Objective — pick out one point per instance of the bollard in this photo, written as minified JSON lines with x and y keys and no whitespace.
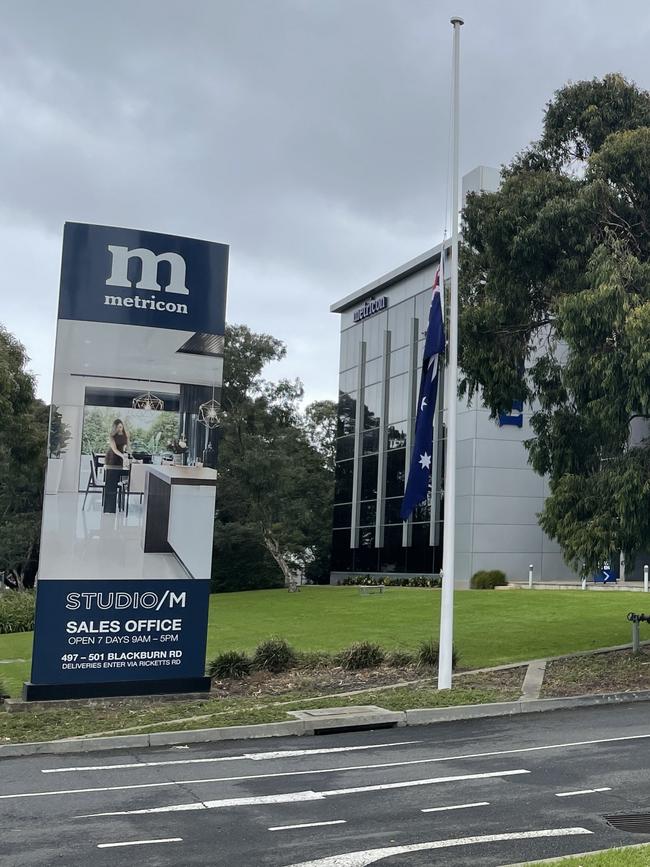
{"x":645,"y":578}
{"x":530,"y":576}
{"x":635,"y":619}
{"x":583,"y":583}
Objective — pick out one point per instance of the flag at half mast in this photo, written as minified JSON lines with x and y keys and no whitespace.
{"x":422,"y":457}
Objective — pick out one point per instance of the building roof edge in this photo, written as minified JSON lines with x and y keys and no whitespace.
{"x":405,"y":270}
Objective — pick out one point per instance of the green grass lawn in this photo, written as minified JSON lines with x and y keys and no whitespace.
{"x":628,"y":856}
{"x":491,"y":627}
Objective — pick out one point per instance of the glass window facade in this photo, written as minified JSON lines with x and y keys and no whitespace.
{"x":381,"y":442}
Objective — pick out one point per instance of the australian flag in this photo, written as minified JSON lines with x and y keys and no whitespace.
{"x":422,"y":457}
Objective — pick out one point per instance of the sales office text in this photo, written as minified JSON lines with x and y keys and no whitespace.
{"x":104,"y":627}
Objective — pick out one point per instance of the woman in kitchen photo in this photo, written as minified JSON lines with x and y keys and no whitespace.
{"x":116,"y":463}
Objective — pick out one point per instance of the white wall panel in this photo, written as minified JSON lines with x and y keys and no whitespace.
{"x":464,"y":509}
{"x":555,"y":569}
{"x":524,"y":539}
{"x":465,"y":453}
{"x":465,"y":482}
{"x":465,"y":425}
{"x":464,"y":537}
{"x":509,"y":511}
{"x":463,"y":571}
{"x":507,"y":483}
{"x":501,"y":453}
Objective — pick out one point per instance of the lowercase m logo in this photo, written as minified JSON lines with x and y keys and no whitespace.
{"x":149,"y":275}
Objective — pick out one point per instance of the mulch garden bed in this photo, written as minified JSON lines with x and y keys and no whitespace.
{"x":618,"y":671}
{"x":334,"y":679}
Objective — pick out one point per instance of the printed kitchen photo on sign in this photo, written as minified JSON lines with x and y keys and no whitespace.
{"x":131,"y":474}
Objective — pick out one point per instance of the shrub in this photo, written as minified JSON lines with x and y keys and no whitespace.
{"x":16,"y":611}
{"x":361,"y":654}
{"x":488,"y":579}
{"x":428,"y":653}
{"x":274,"y":655}
{"x":399,"y":658}
{"x":232,"y":664}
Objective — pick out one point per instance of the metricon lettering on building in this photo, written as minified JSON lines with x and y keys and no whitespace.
{"x":140,"y":303}
{"x":149,"y":263}
{"x":370,"y":307}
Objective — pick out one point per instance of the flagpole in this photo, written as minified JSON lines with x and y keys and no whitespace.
{"x":449,"y":532}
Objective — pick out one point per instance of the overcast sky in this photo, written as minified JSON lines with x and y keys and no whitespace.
{"x":310,"y":135}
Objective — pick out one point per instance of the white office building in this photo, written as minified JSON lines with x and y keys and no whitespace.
{"x":498,"y":494}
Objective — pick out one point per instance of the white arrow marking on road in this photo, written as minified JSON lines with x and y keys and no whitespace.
{"x":139,"y":843}
{"x":304,"y":796}
{"x":370,"y":856}
{"x":256,"y":757}
{"x":289,"y":798}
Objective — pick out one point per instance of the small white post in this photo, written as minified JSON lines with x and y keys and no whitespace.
{"x":530,"y":576}
{"x":583,"y":583}
{"x":645,"y":578}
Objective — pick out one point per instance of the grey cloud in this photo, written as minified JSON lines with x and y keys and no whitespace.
{"x":311,"y":136}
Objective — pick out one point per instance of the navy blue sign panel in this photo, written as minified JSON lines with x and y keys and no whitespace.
{"x":111,"y":631}
{"x":143,"y":278}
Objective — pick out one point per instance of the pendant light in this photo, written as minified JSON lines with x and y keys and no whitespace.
{"x":147,"y":400}
{"x":209,"y":413}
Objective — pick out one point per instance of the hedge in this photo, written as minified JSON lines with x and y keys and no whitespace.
{"x":387,"y":581}
{"x":16,"y":611}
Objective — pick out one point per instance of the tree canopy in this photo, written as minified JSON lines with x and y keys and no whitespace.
{"x":555,"y":301}
{"x":274,"y":495}
{"x":23,"y":437}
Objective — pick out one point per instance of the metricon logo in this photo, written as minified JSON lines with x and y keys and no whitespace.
{"x":148,"y":281}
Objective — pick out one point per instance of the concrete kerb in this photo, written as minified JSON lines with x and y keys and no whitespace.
{"x":417,"y":716}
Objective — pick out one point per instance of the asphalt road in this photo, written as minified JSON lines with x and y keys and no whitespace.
{"x":480,"y":792}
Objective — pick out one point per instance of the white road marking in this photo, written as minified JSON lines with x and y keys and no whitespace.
{"x":409,"y":783}
{"x":582,"y":792}
{"x":202,"y":782}
{"x":455,"y":807}
{"x":303,"y":796}
{"x":256,"y":757}
{"x":307,"y":825}
{"x":289,"y":798}
{"x":289,"y":754}
{"x":139,"y":843}
{"x":456,"y":758}
{"x":370,"y":856}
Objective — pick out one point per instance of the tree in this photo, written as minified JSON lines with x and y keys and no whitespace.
{"x":274,"y":485}
{"x":59,"y":435}
{"x":555,"y":300}
{"x":320,"y":428}
{"x":96,"y":429}
{"x":23,"y":438}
